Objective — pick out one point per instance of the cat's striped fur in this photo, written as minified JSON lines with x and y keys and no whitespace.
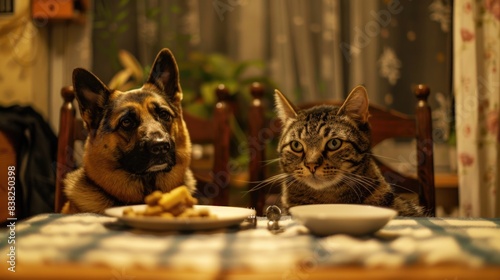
{"x":325,"y":152}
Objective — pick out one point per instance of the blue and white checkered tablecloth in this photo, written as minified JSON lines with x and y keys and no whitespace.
{"x":91,"y":239}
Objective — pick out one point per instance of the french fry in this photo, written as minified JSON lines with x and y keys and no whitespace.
{"x":204,"y":212}
{"x":174,"y":197}
{"x":167,"y":215}
{"x":188,"y":213}
{"x":178,"y":203}
{"x":177,"y":209}
{"x":153,"y":210}
{"x":129,"y":211}
{"x":153,"y":198}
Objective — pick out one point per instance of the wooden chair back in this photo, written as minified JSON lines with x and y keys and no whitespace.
{"x":71,"y":129}
{"x":8,"y":162}
{"x":385,"y":124}
{"x":212,"y":183}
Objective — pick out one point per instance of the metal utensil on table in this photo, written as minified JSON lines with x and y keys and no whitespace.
{"x":250,"y":222}
{"x":273,"y":214}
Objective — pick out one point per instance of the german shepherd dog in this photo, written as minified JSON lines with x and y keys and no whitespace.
{"x":137,"y":140}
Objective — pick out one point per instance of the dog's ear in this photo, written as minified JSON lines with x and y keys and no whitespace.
{"x":165,"y":76}
{"x":92,"y":96}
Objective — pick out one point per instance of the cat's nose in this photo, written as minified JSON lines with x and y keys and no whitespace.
{"x":312,"y":166}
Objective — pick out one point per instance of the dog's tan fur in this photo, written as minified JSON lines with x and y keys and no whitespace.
{"x":104,"y":181}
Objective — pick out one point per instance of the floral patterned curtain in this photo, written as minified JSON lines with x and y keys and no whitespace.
{"x":394,"y":45}
{"x":477,"y":93}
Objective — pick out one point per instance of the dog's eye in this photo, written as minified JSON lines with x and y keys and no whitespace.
{"x":164,"y":115}
{"x":127,"y":123}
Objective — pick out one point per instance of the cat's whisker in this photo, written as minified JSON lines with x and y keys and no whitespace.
{"x":276,"y":179}
{"x":290,"y":182}
{"x":355,"y":181}
{"x":360,"y":182}
{"x":248,"y":182}
{"x":261,"y":181}
{"x":271,"y":161}
{"x":370,"y":181}
{"x":347,"y":181}
{"x":402,"y":187}
{"x":361,"y":177}
{"x":385,"y":157}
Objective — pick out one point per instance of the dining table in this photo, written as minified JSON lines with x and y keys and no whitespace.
{"x":91,"y":246}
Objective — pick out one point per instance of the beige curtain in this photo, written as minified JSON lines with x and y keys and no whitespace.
{"x":304,"y":58}
{"x":477,"y":92}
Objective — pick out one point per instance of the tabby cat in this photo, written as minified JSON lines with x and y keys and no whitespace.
{"x":325,"y":154}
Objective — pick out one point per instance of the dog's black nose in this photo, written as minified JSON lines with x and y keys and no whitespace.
{"x":158,"y":148}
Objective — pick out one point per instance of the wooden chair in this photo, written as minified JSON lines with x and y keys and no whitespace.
{"x":8,"y":155}
{"x":212,"y":183}
{"x":71,"y":129}
{"x":386,"y":124}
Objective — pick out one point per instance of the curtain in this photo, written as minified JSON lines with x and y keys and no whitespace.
{"x":304,"y":54}
{"x":477,"y":93}
{"x":312,"y":50}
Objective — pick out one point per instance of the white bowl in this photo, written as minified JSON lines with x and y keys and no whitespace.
{"x":352,"y":219}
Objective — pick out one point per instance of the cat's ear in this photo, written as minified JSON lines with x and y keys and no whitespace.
{"x":356,"y":105}
{"x":284,"y":107}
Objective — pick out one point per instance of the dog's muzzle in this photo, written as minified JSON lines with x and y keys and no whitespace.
{"x":149,"y":156}
{"x":158,"y":147}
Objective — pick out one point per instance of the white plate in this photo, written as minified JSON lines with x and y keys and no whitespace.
{"x":352,"y":219}
{"x":226,"y":216}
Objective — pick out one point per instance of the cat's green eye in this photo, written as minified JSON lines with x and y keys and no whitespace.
{"x":333,"y":144}
{"x":296,"y":146}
